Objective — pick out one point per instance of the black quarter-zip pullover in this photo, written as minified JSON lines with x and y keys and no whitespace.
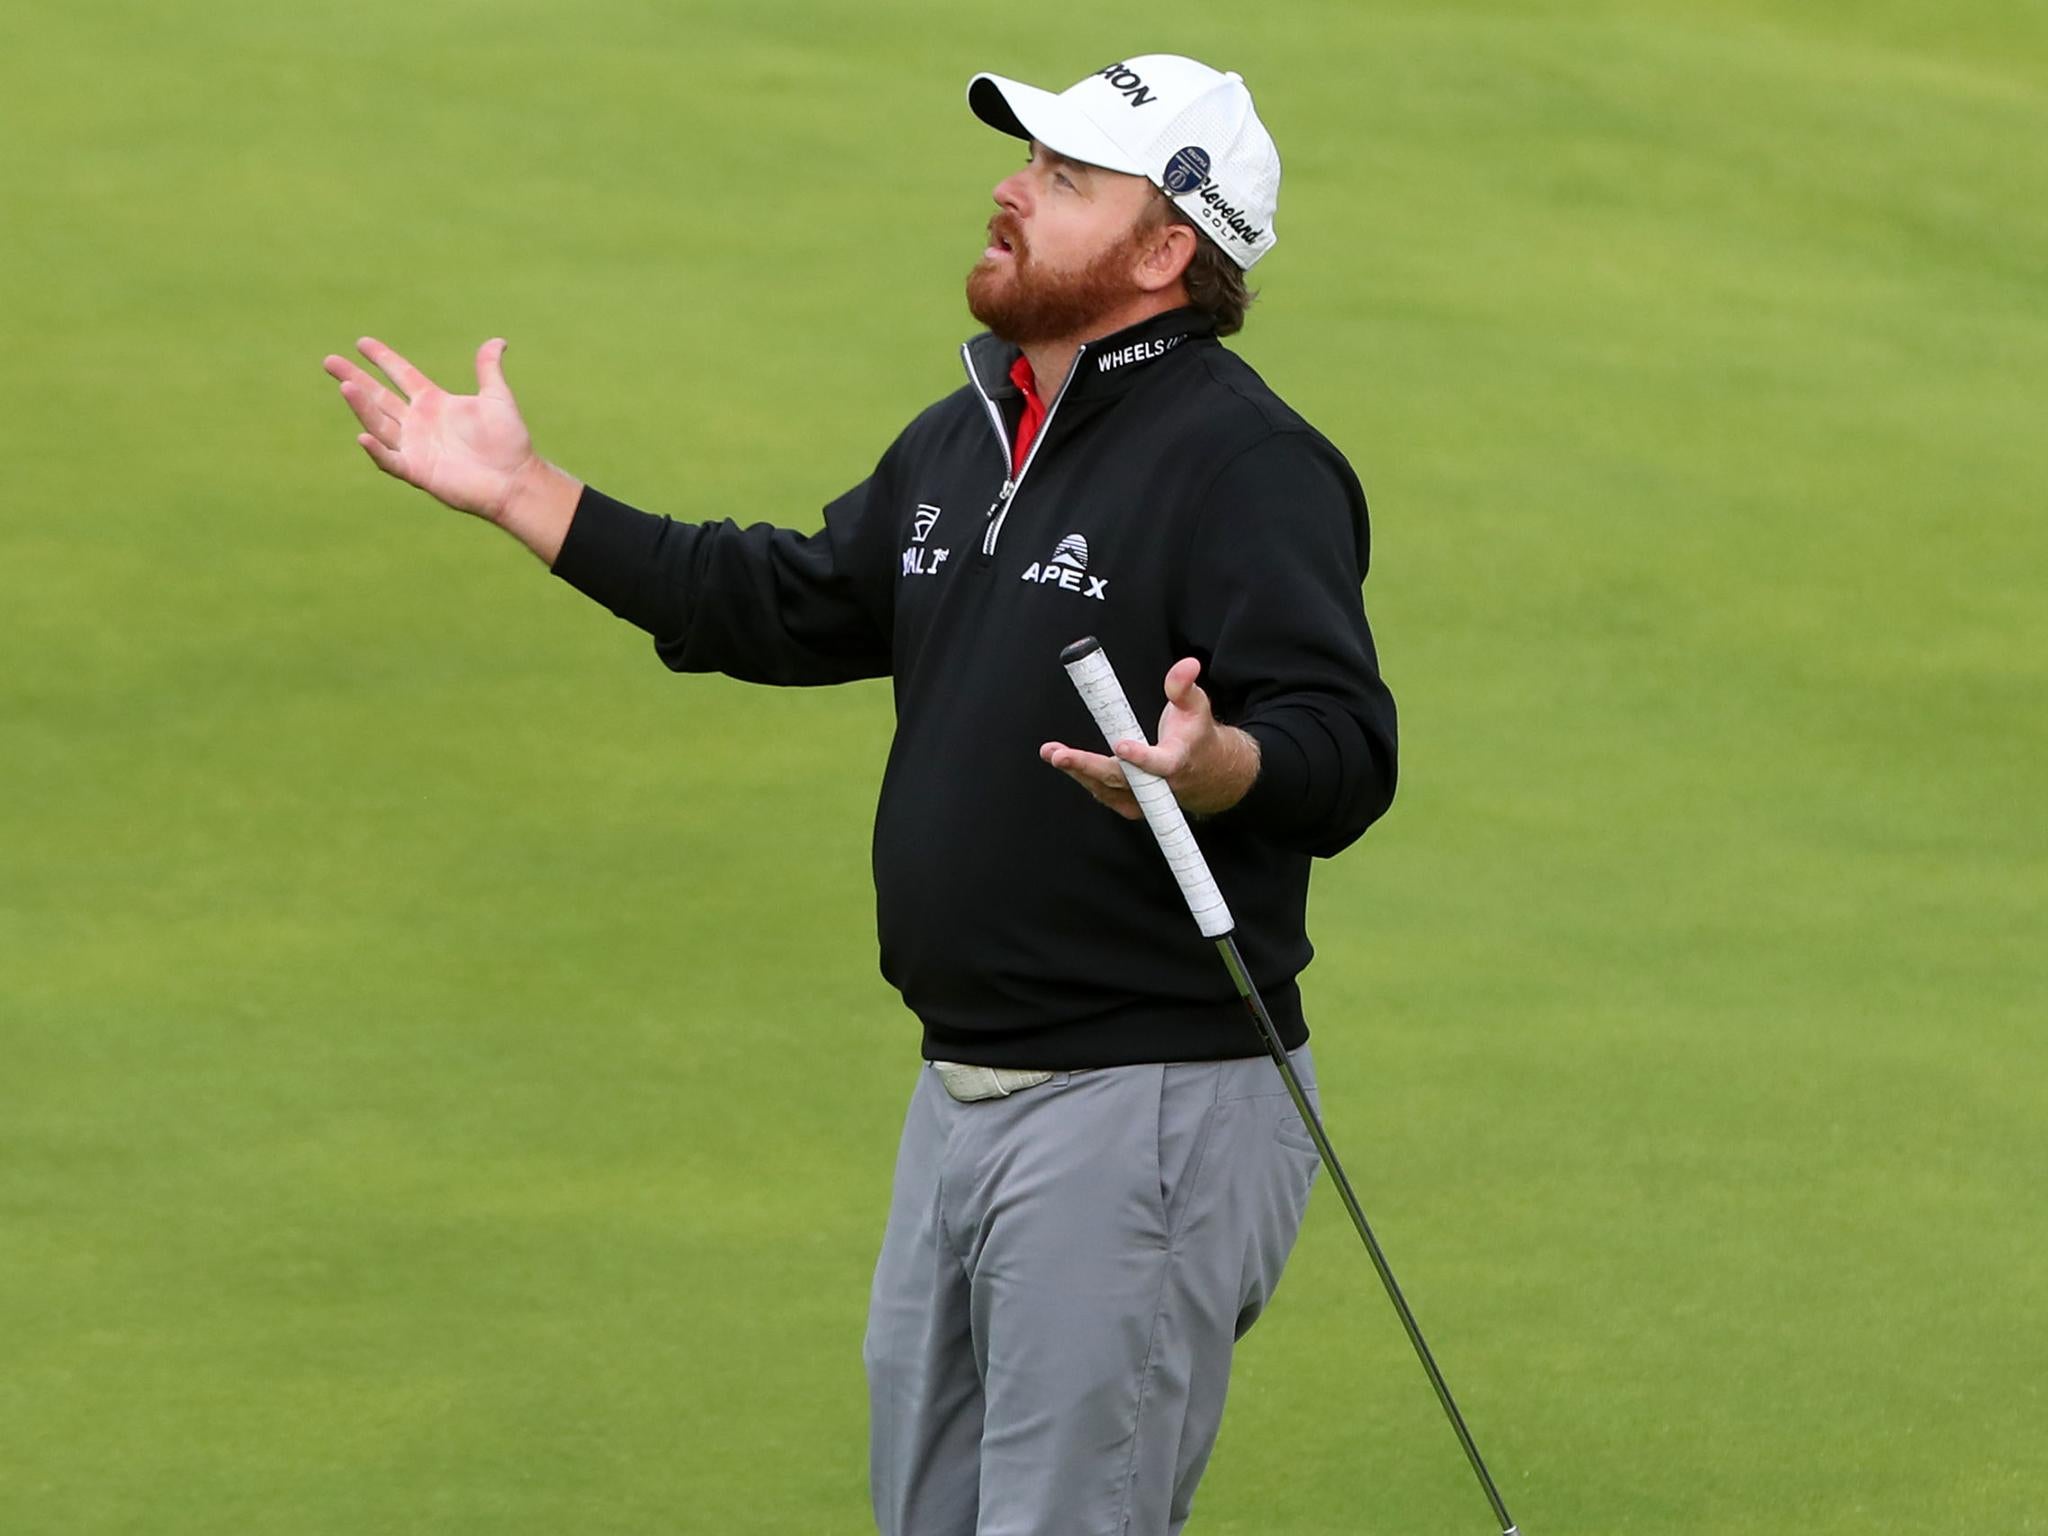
{"x":1172,"y":505}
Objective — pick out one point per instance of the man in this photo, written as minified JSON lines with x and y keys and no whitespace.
{"x":1099,"y":1178}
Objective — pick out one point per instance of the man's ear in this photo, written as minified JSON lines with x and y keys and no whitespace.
{"x":1165,"y":256}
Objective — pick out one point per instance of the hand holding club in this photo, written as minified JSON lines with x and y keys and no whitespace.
{"x":1209,"y":766}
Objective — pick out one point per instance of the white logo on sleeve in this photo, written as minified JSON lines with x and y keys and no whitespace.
{"x":1067,"y":568}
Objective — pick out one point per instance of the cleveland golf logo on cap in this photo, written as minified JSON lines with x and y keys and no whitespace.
{"x":1226,"y":216}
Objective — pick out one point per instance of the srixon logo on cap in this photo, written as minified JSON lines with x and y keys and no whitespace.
{"x":1122,"y":77}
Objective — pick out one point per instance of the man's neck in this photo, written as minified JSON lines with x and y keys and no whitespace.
{"x":1051,"y":361}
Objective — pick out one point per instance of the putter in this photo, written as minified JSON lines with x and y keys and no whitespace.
{"x":1088,"y":665}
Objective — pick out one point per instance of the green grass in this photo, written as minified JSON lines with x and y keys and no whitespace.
{"x":395,"y":962}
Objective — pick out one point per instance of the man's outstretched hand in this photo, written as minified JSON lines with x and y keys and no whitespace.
{"x":1209,"y":767}
{"x":471,"y":452}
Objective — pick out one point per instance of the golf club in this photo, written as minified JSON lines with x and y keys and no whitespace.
{"x":1088,"y":666}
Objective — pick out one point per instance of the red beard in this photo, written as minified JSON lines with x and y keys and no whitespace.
{"x":1028,"y":303}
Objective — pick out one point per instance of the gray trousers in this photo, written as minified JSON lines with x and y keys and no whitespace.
{"x":1064,"y":1274}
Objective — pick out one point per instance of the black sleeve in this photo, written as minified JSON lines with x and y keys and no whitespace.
{"x":763,"y":604}
{"x":1273,"y":608}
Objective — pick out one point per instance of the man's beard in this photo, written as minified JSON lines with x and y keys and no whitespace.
{"x":1030,"y":304}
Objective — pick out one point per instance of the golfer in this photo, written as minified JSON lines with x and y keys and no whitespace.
{"x":1100,"y":1174}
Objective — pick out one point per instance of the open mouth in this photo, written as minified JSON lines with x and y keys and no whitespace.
{"x":1000,"y":246}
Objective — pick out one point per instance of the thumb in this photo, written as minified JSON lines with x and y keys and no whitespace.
{"x":1180,"y":682}
{"x":490,"y":370}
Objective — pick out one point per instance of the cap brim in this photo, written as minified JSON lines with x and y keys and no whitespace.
{"x":1026,"y":112}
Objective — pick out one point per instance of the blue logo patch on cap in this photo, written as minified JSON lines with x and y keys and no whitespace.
{"x":1187,"y":170}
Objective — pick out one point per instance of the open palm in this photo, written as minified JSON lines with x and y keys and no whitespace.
{"x":464,"y":450}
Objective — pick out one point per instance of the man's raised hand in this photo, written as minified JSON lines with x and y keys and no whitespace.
{"x":1209,"y":766}
{"x":471,"y":452}
{"x":465,"y":450}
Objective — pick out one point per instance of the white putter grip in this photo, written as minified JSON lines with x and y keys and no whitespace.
{"x":1104,"y":695}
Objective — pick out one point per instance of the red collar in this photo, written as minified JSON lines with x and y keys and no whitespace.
{"x":1034,"y":410}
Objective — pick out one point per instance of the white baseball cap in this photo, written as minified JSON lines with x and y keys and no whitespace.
{"x":1186,"y":127}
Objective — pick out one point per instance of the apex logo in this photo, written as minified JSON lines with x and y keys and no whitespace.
{"x":1129,"y":82}
{"x":1067,"y":568}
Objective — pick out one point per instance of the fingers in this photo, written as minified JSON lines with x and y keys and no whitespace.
{"x":1164,"y":760}
{"x":1184,"y":696}
{"x":490,"y":369}
{"x":1099,"y":775}
{"x":1090,"y":766}
{"x":342,"y":369}
{"x":396,"y":368}
{"x":388,"y":459}
{"x":377,"y":408}
{"x":365,"y":387}
{"x":380,"y":411}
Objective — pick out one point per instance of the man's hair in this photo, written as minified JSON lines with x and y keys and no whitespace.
{"x":1215,"y":283}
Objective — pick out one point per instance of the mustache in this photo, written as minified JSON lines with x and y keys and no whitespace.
{"x":1004,"y":226}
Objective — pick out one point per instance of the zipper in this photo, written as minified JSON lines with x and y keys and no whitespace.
{"x":1013,"y":473}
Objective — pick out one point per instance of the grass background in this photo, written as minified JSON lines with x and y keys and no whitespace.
{"x":397,"y":965}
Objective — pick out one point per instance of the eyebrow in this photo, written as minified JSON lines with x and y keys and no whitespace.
{"x":1054,"y":157}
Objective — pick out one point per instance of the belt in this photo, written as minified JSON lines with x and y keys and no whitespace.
{"x":968,"y":1084}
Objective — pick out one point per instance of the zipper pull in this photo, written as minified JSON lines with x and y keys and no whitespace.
{"x":1002,"y":497}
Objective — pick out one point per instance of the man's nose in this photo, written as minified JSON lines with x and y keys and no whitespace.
{"x":1011,"y":192}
